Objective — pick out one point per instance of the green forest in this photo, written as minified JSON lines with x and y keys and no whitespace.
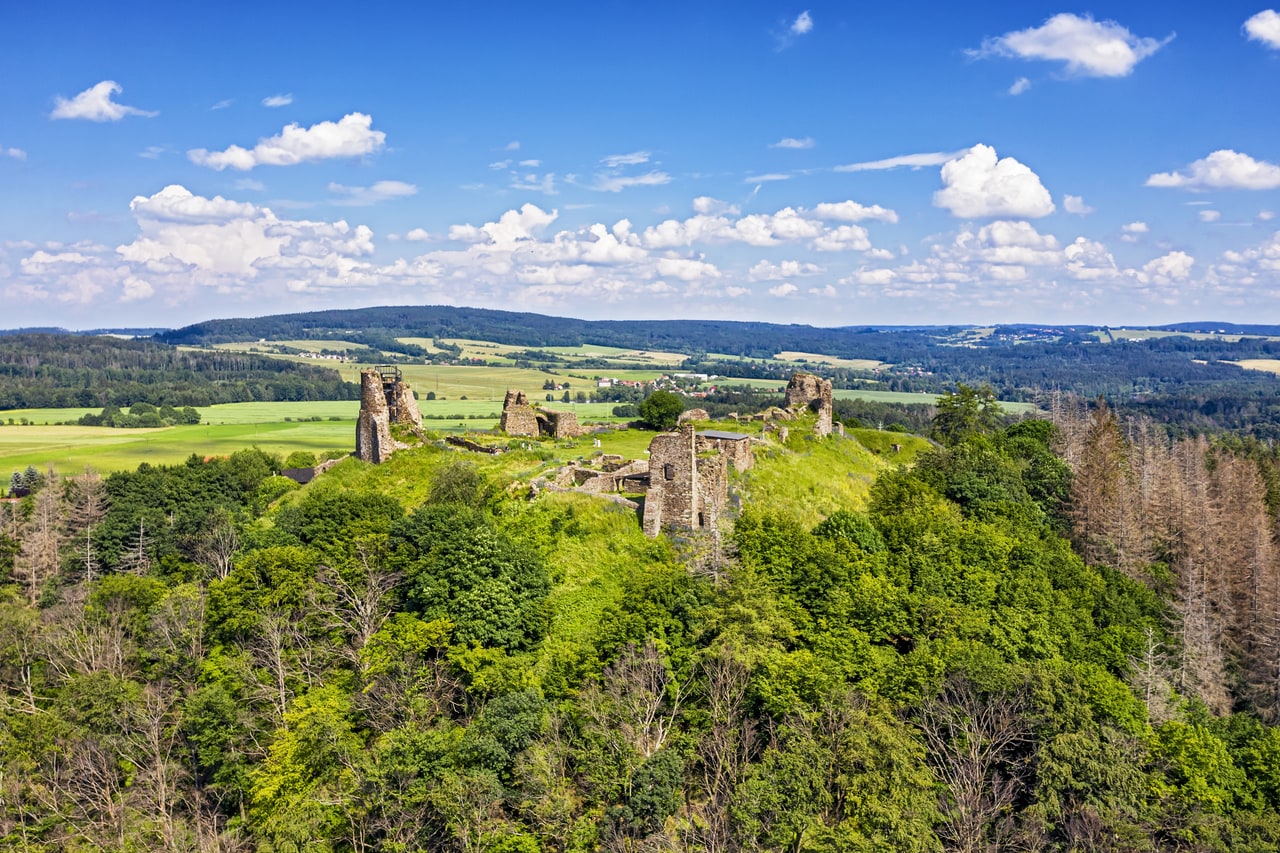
{"x":1058,"y":635}
{"x":68,"y":371}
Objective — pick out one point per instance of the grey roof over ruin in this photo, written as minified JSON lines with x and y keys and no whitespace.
{"x":727,"y":436}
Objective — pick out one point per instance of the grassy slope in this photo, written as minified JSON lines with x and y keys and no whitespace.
{"x":591,"y":546}
{"x":815,"y":477}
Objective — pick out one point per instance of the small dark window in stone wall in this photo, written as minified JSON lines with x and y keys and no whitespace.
{"x":669,"y":471}
{"x":702,"y":522}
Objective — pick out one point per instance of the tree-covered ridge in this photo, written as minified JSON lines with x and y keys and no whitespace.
{"x":1192,"y":383}
{"x":421,"y":656}
{"x":63,"y":371}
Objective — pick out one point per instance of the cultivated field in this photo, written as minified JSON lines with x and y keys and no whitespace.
{"x":1268,"y":365}
{"x":274,"y":427}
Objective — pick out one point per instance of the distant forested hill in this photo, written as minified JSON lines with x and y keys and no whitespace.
{"x":756,"y":340}
{"x":1191,"y":383}
{"x":40,"y":370}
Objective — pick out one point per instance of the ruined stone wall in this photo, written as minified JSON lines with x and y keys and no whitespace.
{"x":673,"y":484}
{"x":713,"y":491}
{"x":406,"y":406}
{"x":558,"y":424}
{"x":517,"y":415}
{"x":738,"y":451}
{"x":373,"y":427}
{"x":806,"y":391}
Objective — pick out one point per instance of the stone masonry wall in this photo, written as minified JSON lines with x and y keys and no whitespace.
{"x":738,"y":451}
{"x":812,"y":392}
{"x":373,"y":427}
{"x":517,"y":415}
{"x":558,"y":424}
{"x":673,"y":486}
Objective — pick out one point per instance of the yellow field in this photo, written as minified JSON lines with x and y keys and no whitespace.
{"x":1269,"y":365}
{"x":851,"y":363}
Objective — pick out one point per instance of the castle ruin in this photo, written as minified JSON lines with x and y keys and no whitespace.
{"x":385,"y":398}
{"x":806,"y":391}
{"x":689,"y":478}
{"x":520,"y":418}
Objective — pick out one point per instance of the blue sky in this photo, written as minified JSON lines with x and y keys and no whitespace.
{"x":827,"y":164}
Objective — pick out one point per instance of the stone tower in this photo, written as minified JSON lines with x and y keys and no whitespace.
{"x":806,"y":391}
{"x":385,"y":398}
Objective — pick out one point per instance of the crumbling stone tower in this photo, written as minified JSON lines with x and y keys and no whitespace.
{"x":385,"y":398}
{"x":806,"y":391}
{"x":517,"y":415}
{"x":520,"y":418}
{"x":686,"y":491}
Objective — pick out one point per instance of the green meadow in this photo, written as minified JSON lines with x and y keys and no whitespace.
{"x":274,"y":427}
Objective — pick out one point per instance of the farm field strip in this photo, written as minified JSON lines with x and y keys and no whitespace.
{"x":1268,"y":365}
{"x":852,"y":363}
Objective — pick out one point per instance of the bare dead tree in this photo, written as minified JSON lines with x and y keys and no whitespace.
{"x":725,"y":750}
{"x":137,"y":559}
{"x":217,"y":547}
{"x":160,"y":788}
{"x":358,"y":602}
{"x":973,"y":741}
{"x":80,"y":642}
{"x":87,"y":494}
{"x":39,"y":555}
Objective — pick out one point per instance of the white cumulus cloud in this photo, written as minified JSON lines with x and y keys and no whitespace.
{"x":781,"y":290}
{"x":766,"y":271}
{"x":979,"y":184}
{"x":351,"y":136}
{"x":95,"y":104}
{"x":851,"y":211}
{"x":1264,"y":27}
{"x":1167,"y":269}
{"x":1019,"y":86}
{"x":803,"y":23}
{"x":1210,"y":215}
{"x":1223,"y":169}
{"x":512,"y":227}
{"x":13,"y":153}
{"x":1088,"y":48}
{"x":1075,"y":204}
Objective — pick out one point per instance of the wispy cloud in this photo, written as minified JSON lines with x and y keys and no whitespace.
{"x":223,"y":104}
{"x":278,"y":100}
{"x":13,"y":153}
{"x":1019,"y":86}
{"x":766,"y":178}
{"x":802,"y":25}
{"x":635,"y":158}
{"x":911,"y":161}
{"x":618,"y":183}
{"x":365,"y":196}
{"x":792,"y":142}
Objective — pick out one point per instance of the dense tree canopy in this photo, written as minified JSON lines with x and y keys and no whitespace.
{"x":987,"y":654}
